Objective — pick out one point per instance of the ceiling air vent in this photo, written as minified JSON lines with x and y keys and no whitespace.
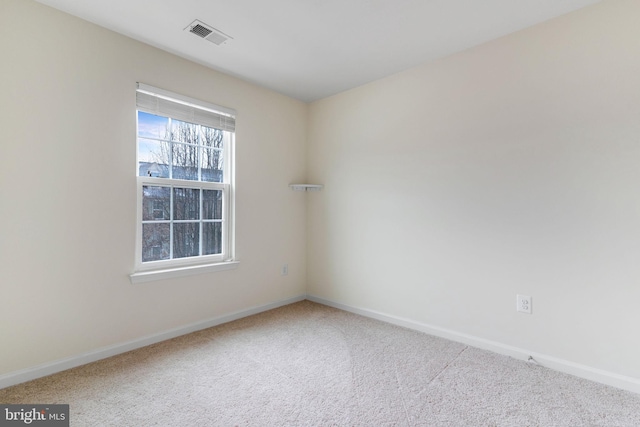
{"x":207,"y":32}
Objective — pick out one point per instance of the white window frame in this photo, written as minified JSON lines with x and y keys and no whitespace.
{"x":177,"y":267}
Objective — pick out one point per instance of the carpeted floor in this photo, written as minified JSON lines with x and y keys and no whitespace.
{"x":310,"y":365}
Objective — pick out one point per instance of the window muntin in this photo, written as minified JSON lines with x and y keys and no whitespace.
{"x":184,"y":186}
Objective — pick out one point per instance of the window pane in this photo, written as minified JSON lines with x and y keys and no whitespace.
{"x":212,"y":204}
{"x":152,"y":126}
{"x":186,"y":203}
{"x":185,"y":161}
{"x":212,"y":138}
{"x":186,"y":240}
{"x":155,"y":242}
{"x":153,"y":158}
{"x":211,"y":238}
{"x":184,"y":132}
{"x":156,"y":203}
{"x":212,"y":164}
{"x":212,"y":141}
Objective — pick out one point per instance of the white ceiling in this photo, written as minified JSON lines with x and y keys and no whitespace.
{"x":310,"y":49}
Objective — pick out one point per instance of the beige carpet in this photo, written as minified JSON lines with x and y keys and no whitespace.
{"x":310,"y":365}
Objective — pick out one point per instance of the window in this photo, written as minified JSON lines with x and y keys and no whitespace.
{"x":184,"y":181}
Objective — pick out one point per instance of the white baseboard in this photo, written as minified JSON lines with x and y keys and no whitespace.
{"x":578,"y":370}
{"x":582,"y":371}
{"x":17,"y":377}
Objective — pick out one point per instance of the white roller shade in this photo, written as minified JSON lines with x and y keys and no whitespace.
{"x":164,"y":103}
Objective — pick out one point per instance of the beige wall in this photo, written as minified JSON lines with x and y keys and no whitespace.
{"x":68,"y":191}
{"x":510,"y":168}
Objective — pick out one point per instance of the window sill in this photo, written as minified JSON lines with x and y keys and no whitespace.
{"x":170,"y":273}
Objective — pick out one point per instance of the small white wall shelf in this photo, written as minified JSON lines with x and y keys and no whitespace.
{"x":306,"y":187}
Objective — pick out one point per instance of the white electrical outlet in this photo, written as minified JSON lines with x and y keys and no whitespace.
{"x":285,"y":270}
{"x":523,"y":303}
